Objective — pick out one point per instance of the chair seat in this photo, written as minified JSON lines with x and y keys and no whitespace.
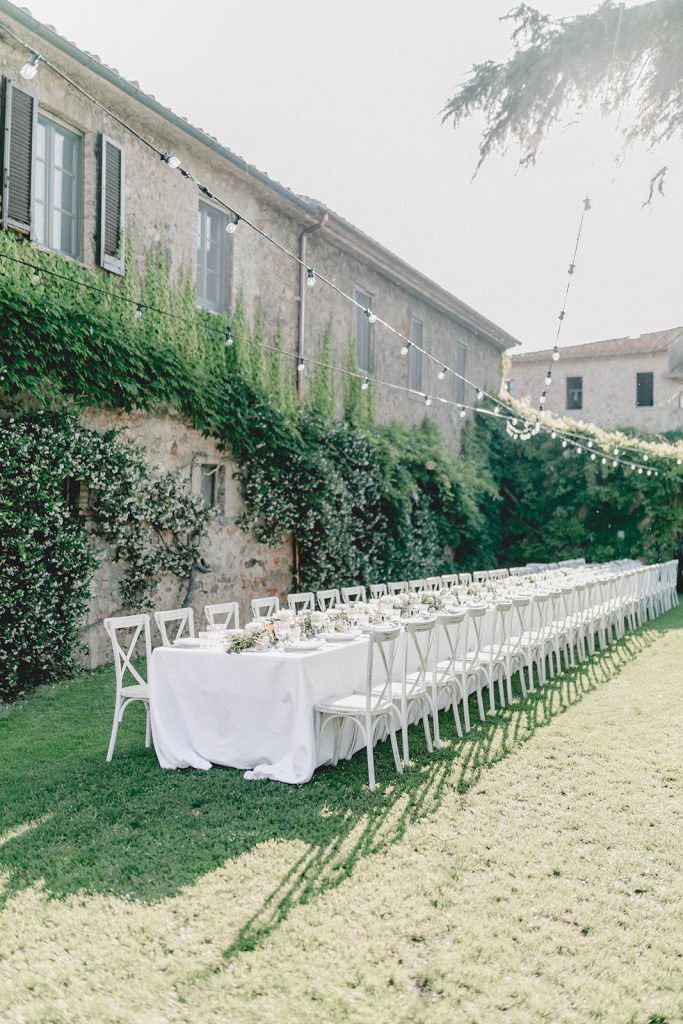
{"x":352,"y":704}
{"x":140,"y":692}
{"x":396,"y":690}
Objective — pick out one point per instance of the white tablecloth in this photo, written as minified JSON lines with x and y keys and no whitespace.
{"x":252,"y":711}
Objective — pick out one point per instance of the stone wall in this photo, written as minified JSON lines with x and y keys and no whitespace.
{"x":241,"y":568}
{"x":609,"y":390}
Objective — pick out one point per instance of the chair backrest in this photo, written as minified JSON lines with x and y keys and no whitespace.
{"x":450,"y":579}
{"x":465,"y":577}
{"x":378,"y":590}
{"x":433,"y":583}
{"x":475,"y":618}
{"x":417,"y":585}
{"x":380,"y":666}
{"x":181,"y":618}
{"x":124,"y":633}
{"x":502,"y":627}
{"x":265,"y":607}
{"x":419,"y":635}
{"x":304,"y":602}
{"x":397,"y":587}
{"x":352,"y":594}
{"x":226,"y":615}
{"x":450,"y":639}
{"x":328,"y":598}
{"x":481,"y":575}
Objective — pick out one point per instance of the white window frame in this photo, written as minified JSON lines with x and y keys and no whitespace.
{"x":46,"y":243}
{"x":222,"y":306}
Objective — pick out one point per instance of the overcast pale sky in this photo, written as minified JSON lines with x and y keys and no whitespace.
{"x":340,"y":100}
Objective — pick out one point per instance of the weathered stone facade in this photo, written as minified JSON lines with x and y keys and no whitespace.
{"x":609,"y":371}
{"x":161,"y":209}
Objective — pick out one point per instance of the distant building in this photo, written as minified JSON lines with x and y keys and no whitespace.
{"x":621,"y":382}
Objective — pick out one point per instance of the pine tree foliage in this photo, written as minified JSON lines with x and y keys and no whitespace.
{"x":624,"y":58}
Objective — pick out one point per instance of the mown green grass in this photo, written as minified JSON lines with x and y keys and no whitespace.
{"x":530,"y":872}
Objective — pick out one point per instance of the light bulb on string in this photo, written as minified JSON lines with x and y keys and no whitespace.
{"x":590,"y":444}
{"x":548,"y":378}
{"x":603,"y":461}
{"x":616,"y":451}
{"x":428,"y":400}
{"x":29,"y":70}
{"x":640,"y":470}
{"x":542,"y":399}
{"x":513,"y":421}
{"x":496,"y":409}
{"x":553,"y":435}
{"x":480,"y":394}
{"x":172,"y":161}
{"x":615,"y":462}
{"x":310,"y":277}
{"x":231,"y":226}
{"x":138,"y":311}
{"x":678,"y":462}
{"x":35,"y":277}
{"x":406,"y":348}
{"x":645,"y":457}
{"x":463,"y":413}
{"x":371,"y":316}
{"x":442,"y":373}
{"x":593,"y":456}
{"x":556,"y":353}
{"x":366,"y":383}
{"x":229,"y":340}
{"x":300,"y":367}
{"x":649,"y":472}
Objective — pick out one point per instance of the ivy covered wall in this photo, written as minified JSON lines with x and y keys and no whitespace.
{"x":364,"y":503}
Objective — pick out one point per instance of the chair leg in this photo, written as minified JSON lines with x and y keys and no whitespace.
{"x":114,"y":732}
{"x":394,"y":746}
{"x":404,"y":734}
{"x":425,"y":721}
{"x":456,"y":713}
{"x":148,"y":728}
{"x":435,"y":718}
{"x":465,"y":689}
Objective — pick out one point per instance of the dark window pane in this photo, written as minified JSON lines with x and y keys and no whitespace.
{"x":575,"y":392}
{"x":645,"y":387}
{"x":212,"y":258}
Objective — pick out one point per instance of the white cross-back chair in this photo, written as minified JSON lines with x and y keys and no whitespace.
{"x":373,"y":707}
{"x":173,"y":624}
{"x":265,"y":607}
{"x":449,"y":639}
{"x":481,"y":575}
{"x":433,"y":583}
{"x":350,"y":595}
{"x":124,"y":633}
{"x":299,"y":603}
{"x":397,"y":587}
{"x":410,"y":690}
{"x":378,"y":590}
{"x":450,"y":579}
{"x":328,"y":598}
{"x":417,"y":585}
{"x":226,"y":615}
{"x":465,"y":578}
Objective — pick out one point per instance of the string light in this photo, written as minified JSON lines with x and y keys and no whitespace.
{"x":428,"y":400}
{"x":548,"y":378}
{"x":231,"y":226}
{"x":229,"y":340}
{"x":310,"y":277}
{"x":172,"y":161}
{"x":366,"y":383}
{"x":406,"y":348}
{"x":35,"y":277}
{"x":138,"y":311}
{"x":372,"y":317}
{"x":480,"y":394}
{"x":442,"y":373}
{"x":29,"y":70}
{"x":175,"y":164}
{"x":542,"y":398}
{"x":300,"y":367}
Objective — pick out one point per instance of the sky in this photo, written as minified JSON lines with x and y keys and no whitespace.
{"x":340,"y":100}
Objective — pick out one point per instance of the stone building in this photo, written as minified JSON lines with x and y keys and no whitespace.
{"x":621,"y":382}
{"x":115,"y":194}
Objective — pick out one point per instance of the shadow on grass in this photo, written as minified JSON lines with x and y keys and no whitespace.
{"x":72,"y":823}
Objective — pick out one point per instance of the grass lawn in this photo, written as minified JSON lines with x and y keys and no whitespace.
{"x":531,"y":872}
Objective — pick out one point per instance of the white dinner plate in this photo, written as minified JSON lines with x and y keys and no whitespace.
{"x":335,"y":638}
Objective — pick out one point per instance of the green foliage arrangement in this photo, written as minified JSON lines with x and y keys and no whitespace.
{"x":365,"y":503}
{"x":153,"y":524}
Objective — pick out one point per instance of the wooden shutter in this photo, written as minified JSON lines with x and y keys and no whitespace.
{"x":19,"y":117}
{"x":112,"y":204}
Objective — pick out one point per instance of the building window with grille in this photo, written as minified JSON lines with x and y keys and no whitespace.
{"x":363,"y":331}
{"x":645,"y":388}
{"x":574,"y":393}
{"x":212,"y":485}
{"x":415,"y":367}
{"x":212,"y":258}
{"x":58,"y":187}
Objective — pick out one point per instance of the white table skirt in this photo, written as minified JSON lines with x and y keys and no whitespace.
{"x":252,"y":711}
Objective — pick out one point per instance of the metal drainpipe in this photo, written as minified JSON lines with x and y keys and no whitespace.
{"x":303,"y":275}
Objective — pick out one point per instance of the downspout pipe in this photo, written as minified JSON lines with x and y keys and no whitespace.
{"x":303,"y":276}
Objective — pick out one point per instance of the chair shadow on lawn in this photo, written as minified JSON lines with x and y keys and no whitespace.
{"x":133,"y":831}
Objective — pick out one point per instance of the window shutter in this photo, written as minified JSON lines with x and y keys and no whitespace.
{"x":19,"y":116}
{"x":112,"y":196}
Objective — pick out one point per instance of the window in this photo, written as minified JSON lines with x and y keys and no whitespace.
{"x":460,"y":368}
{"x":112,"y":202}
{"x":645,"y":386}
{"x":212,"y":258}
{"x":510,"y":386}
{"x":363,"y":331}
{"x":212,"y":485}
{"x":415,"y":357}
{"x":58,"y":187}
{"x":574,"y":393}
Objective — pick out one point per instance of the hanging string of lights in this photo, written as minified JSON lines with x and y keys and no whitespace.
{"x":563,"y":312}
{"x":530,"y":426}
